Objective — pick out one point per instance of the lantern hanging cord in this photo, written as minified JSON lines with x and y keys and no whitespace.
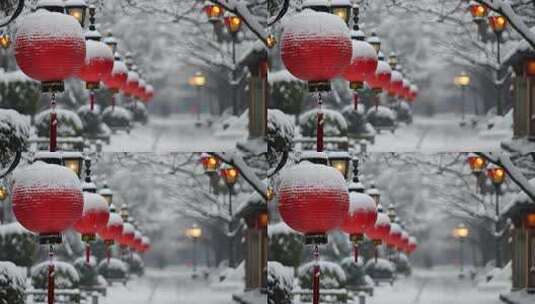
{"x":51,"y":275}
{"x":319,"y":127}
{"x":316,"y":276}
{"x":53,"y":123}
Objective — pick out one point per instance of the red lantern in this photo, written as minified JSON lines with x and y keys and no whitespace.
{"x":136,"y":243}
{"x":404,"y":242}
{"x":127,"y":236}
{"x":313,"y":200}
{"x":405,"y":89}
{"x":95,"y":216}
{"x":149,"y":93}
{"x":396,"y":83}
{"x":363,"y":64}
{"x":112,"y":231}
{"x":413,"y":93}
{"x":98,"y":63}
{"x":140,"y":92}
{"x":394,"y":236}
{"x":362,"y":215}
{"x":413,"y":244}
{"x":50,"y":47}
{"x":381,"y":78}
{"x":145,"y":244}
{"x":132,"y":82}
{"x":379,"y":232}
{"x":47,"y":199}
{"x":116,"y":79}
{"x":316,"y":47}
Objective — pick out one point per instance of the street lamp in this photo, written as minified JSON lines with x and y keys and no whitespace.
{"x":340,"y":161}
{"x":498,"y":23}
{"x":5,"y":40}
{"x":477,"y":164}
{"x":198,"y":81}
{"x":342,"y":9}
{"x":462,"y":81}
{"x":194,"y":232}
{"x":461,"y":232}
{"x":497,"y":176}
{"x":375,"y":194}
{"x":230,"y":176}
{"x":213,"y":11}
{"x":478,"y":11}
{"x":111,"y":42}
{"x":77,"y":9}
{"x":393,"y":60}
{"x":375,"y":42}
{"x":210,"y":163}
{"x":233,"y":24}
{"x":107,"y":194}
{"x":391,"y":212}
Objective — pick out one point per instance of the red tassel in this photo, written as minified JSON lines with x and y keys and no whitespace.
{"x":87,"y":252}
{"x":53,"y":124}
{"x":356,"y":101}
{"x":319,"y":127}
{"x":356,"y":253}
{"x":51,"y":277}
{"x":113,"y":102}
{"x":91,"y":100}
{"x":316,"y":278}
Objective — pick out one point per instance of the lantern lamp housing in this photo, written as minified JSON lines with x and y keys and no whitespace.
{"x":213,"y":11}
{"x":230,"y":175}
{"x":496,"y":174}
{"x":529,"y":67}
{"x":198,"y":80}
{"x":340,"y":161}
{"x":497,"y":23}
{"x":110,"y":41}
{"x":461,"y":232}
{"x":73,"y":161}
{"x":5,"y":40}
{"x":107,"y":194}
{"x":55,"y":6}
{"x":476,"y":163}
{"x":77,"y":9}
{"x":529,"y":220}
{"x":478,"y":11}
{"x":342,"y":9}
{"x":393,"y":60}
{"x":462,"y":80}
{"x":375,"y":42}
{"x":233,"y":23}
{"x":210,"y":163}
{"x":262,"y":220}
{"x":3,"y":192}
{"x":194,"y":232}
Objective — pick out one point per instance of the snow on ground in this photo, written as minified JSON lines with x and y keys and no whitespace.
{"x":441,"y":132}
{"x":174,"y":133}
{"x":439,"y":285}
{"x":171,"y":286}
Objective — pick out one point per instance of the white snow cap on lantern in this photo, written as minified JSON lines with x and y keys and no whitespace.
{"x":145,"y":240}
{"x":75,"y":2}
{"x":356,"y":186}
{"x":360,"y":201}
{"x":128,"y":228}
{"x":382,"y":219}
{"x":319,"y":24}
{"x":54,"y":25}
{"x":396,"y":76}
{"x":149,"y":89}
{"x":395,"y":228}
{"x":137,"y":235}
{"x":372,"y":191}
{"x":383,"y":68}
{"x":308,"y":3}
{"x":404,"y":234}
{"x":412,"y":240}
{"x":311,"y":175}
{"x":94,"y":202}
{"x":47,"y":175}
{"x":340,"y":2}
{"x":119,"y":67}
{"x":362,"y":49}
{"x":115,"y":219}
{"x":97,"y":49}
{"x":414,"y":88}
{"x":132,"y":76}
{"x":308,"y":154}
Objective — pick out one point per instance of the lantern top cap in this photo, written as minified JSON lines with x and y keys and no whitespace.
{"x":42,"y":3}
{"x":72,"y":154}
{"x":47,"y":175}
{"x":309,"y":3}
{"x":356,"y":187}
{"x":373,"y":38}
{"x":89,"y":187}
{"x":338,"y":155}
{"x":75,"y":3}
{"x":306,"y":155}
{"x":340,"y":3}
{"x":93,"y":34}
{"x":358,"y":35}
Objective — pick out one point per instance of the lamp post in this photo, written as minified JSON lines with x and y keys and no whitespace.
{"x":194,"y":232}
{"x":498,"y":23}
{"x":478,"y":12}
{"x":198,"y":81}
{"x":210,"y":164}
{"x":233,"y":24}
{"x":461,"y":232}
{"x":230,"y":175}
{"x":477,"y":165}
{"x":462,"y":81}
{"x":497,"y":176}
{"x":3,"y":196}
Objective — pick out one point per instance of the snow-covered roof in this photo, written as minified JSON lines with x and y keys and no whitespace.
{"x":519,"y":201}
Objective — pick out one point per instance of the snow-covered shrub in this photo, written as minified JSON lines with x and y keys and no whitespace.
{"x":280,"y":132}
{"x":17,"y":244}
{"x":279,"y":283}
{"x":287,"y":92}
{"x":402,"y":264}
{"x":332,"y":275}
{"x":19,"y":92}
{"x":14,"y":131}
{"x":69,"y":123}
{"x":136,"y":265}
{"x":115,"y":269}
{"x":334,"y":123}
{"x":381,"y":116}
{"x":380,"y":269}
{"x":139,"y":111}
{"x":404,"y":112}
{"x":12,"y":284}
{"x":285,"y":245}
{"x":88,"y":271}
{"x":117,"y":117}
{"x":356,"y":120}
{"x":354,"y":271}
{"x":65,"y":275}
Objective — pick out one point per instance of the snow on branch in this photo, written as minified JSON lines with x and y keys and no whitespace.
{"x":239,"y":7}
{"x":504,"y":8}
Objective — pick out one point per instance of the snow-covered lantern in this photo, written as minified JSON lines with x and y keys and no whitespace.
{"x":56,"y":6}
{"x":72,"y":160}
{"x":95,"y":216}
{"x":111,"y":42}
{"x":396,"y":83}
{"x":126,"y":238}
{"x":132,"y":82}
{"x":404,"y":242}
{"x":116,"y":79}
{"x":477,"y":163}
{"x":362,"y":215}
{"x":316,"y":5}
{"x":107,"y":194}
{"x":213,"y":11}
{"x":363,"y":63}
{"x":313,"y":199}
{"x":145,"y":242}
{"x":405,"y":89}
{"x":381,"y":78}
{"x":149,"y":93}
{"x":230,"y":174}
{"x":393,"y":239}
{"x":342,"y":9}
{"x":340,"y":160}
{"x":316,"y":47}
{"x":414,"y":92}
{"x":413,"y":244}
{"x":76,"y":9}
{"x":314,"y":157}
{"x":140,"y":89}
{"x":138,"y":239}
{"x":210,"y":163}
{"x":375,"y":42}
{"x":112,"y":231}
{"x":61,"y":45}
